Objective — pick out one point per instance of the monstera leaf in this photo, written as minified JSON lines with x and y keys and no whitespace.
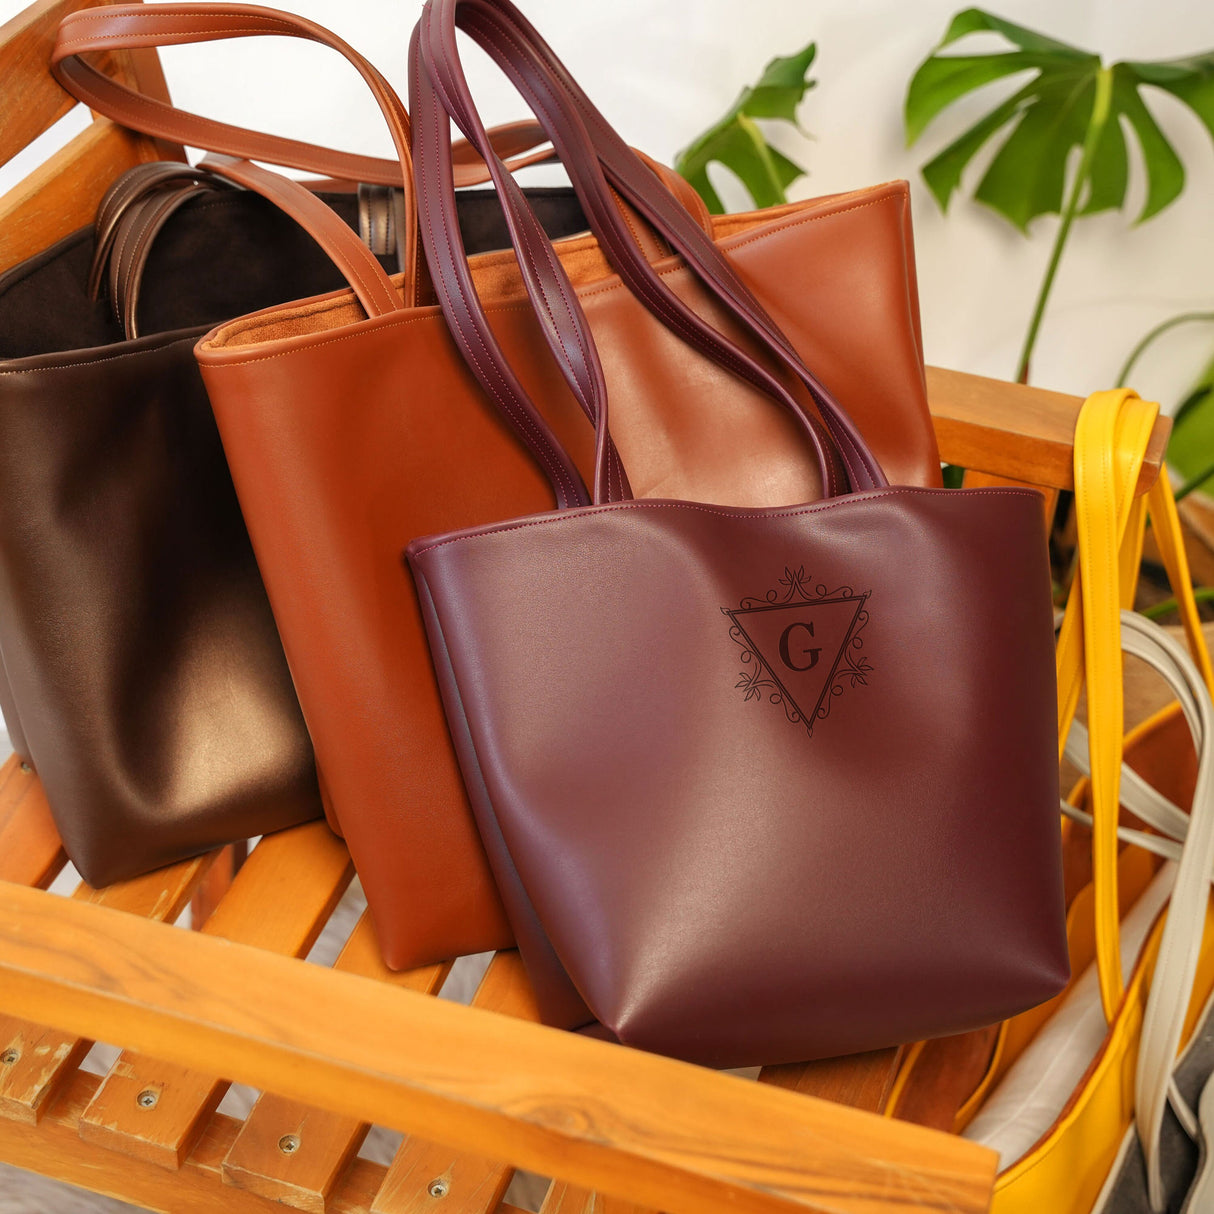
{"x":737,"y":141}
{"x":1070,"y":100}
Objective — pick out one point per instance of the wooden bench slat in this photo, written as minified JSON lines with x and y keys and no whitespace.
{"x":47,"y":1057}
{"x":861,"y":1081}
{"x":630,"y":1124}
{"x":1015,"y":431}
{"x":306,"y":1175}
{"x":278,"y":902}
{"x":569,"y":1199}
{"x":31,"y":852}
{"x":423,"y":1172}
{"x":193,"y":1190}
{"x":32,"y":99}
{"x":473,"y":1184}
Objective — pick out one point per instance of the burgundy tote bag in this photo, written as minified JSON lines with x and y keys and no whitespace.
{"x":758,"y":785}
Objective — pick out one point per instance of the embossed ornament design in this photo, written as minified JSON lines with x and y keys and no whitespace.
{"x":801,"y":645}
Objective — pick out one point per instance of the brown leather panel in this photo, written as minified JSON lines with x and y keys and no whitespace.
{"x":148,"y":683}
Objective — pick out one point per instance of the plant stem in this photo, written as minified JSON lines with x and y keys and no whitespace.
{"x":1203,"y":594}
{"x":1101,"y":104}
{"x":1158,"y":331}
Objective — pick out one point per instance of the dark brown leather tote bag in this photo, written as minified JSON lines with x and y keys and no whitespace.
{"x":142,"y":674}
{"x":350,"y":430}
{"x":758,"y":785}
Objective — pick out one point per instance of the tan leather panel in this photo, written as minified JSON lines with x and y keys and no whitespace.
{"x":349,"y":437}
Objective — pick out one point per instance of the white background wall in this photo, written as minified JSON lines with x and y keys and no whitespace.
{"x":663,"y":69}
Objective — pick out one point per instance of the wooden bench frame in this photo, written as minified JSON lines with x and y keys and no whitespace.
{"x":479,"y":1090}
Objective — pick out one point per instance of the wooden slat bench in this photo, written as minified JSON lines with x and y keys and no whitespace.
{"x":480,"y":1090}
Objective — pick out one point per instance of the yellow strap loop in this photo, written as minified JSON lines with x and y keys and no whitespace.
{"x":1110,"y":444}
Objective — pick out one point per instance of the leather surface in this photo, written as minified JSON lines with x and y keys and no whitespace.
{"x":349,"y":439}
{"x":148,"y":682}
{"x":721,"y":881}
{"x":145,"y":667}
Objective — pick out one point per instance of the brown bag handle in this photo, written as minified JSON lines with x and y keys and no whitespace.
{"x":127,"y":26}
{"x":133,"y":236}
{"x":138,"y":205}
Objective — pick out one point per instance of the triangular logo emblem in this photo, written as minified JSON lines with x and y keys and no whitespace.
{"x":801,"y":645}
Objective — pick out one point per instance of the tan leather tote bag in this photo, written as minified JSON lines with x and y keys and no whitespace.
{"x":352,"y":424}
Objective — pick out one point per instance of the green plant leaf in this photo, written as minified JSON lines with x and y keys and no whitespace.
{"x":1048,"y":117}
{"x":782,"y":87}
{"x":737,"y":141}
{"x":1191,"y":447}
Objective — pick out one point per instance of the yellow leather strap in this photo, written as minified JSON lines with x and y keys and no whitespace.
{"x":1110,"y":443}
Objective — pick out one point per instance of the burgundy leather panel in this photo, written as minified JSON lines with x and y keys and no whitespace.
{"x":722,"y":882}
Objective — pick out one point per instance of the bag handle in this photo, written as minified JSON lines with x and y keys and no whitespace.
{"x":128,"y":26}
{"x":127,"y":192}
{"x":1110,"y":443}
{"x":559,"y":314}
{"x":125,"y":240}
{"x":552,"y":99}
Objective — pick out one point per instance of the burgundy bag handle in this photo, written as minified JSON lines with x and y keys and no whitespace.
{"x":558,"y":312}
{"x":561,"y":320}
{"x":554,"y":95}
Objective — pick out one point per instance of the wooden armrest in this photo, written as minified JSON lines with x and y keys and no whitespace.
{"x":676,"y":1137}
{"x":1016,"y":431}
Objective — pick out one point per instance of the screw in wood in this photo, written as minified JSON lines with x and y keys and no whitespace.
{"x":438,"y":1188}
{"x":288,"y":1144}
{"x":147,"y":1098}
{"x":25,"y":766}
{"x":10,"y":1056}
